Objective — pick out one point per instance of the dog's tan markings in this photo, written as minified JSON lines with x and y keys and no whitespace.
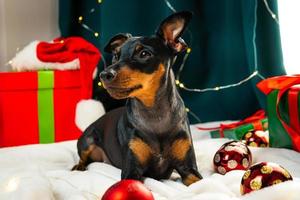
{"x":180,"y":148}
{"x":93,"y":152}
{"x":138,"y":47}
{"x":141,"y":150}
{"x":84,"y":155}
{"x":151,"y":85}
{"x":149,"y":82}
{"x":191,"y":178}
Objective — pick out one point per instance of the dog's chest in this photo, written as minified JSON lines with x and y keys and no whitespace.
{"x":159,"y":120}
{"x":162,"y":158}
{"x":157,"y":125}
{"x":159,"y":167}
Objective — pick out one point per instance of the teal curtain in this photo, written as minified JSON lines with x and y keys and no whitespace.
{"x":220,"y":36}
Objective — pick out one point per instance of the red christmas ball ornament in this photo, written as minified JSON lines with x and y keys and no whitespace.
{"x":128,"y":190}
{"x":232,"y":155}
{"x":257,"y":138}
{"x":262,"y":175}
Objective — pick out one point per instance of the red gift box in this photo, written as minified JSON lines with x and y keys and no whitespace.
{"x":38,"y":107}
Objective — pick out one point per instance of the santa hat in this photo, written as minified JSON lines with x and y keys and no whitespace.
{"x":63,"y":54}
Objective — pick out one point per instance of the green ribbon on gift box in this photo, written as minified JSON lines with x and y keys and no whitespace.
{"x":46,"y":107}
{"x":239,"y":132}
{"x":278,"y":135}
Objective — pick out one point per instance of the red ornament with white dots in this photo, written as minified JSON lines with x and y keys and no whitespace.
{"x":233,"y":155}
{"x":262,"y":175}
{"x":257,"y":138}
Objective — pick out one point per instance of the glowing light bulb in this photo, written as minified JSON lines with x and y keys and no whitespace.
{"x":12,"y":184}
{"x":188,"y":50}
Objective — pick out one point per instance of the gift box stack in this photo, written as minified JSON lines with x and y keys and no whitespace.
{"x":252,"y":131}
{"x":237,"y":130}
{"x":283,"y":110}
{"x":280,"y":128}
{"x":38,"y":104}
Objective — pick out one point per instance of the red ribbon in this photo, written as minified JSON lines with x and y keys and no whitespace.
{"x":284,"y":83}
{"x":278,"y":83}
{"x":293,"y":107}
{"x":255,"y":119}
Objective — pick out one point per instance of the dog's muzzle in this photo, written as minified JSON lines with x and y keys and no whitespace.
{"x":107,"y":76}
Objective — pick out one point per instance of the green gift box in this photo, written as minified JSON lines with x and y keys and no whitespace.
{"x":283,"y":110}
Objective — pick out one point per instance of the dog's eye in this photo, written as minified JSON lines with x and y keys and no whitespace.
{"x":145,"y":54}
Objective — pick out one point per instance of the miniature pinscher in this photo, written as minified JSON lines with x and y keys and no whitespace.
{"x":150,"y":136}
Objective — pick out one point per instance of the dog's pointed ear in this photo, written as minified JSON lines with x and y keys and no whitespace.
{"x":172,"y":28}
{"x":114,"y":44}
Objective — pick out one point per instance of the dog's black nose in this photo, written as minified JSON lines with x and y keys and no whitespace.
{"x":108,"y":76}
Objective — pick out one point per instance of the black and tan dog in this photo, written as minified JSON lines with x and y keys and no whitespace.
{"x":150,"y":136}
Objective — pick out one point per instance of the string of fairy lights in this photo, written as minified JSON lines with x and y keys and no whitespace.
{"x":273,"y":15}
{"x":82,"y":21}
{"x":221,"y":87}
{"x":179,"y":83}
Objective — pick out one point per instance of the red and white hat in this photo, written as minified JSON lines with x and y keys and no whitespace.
{"x":65,"y":54}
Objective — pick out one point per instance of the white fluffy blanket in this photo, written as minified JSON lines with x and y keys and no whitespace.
{"x":36,"y":172}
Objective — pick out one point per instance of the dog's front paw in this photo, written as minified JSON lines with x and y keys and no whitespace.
{"x":79,"y":167}
{"x":190,"y":179}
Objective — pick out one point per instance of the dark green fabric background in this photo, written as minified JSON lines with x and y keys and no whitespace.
{"x":222,"y":48}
